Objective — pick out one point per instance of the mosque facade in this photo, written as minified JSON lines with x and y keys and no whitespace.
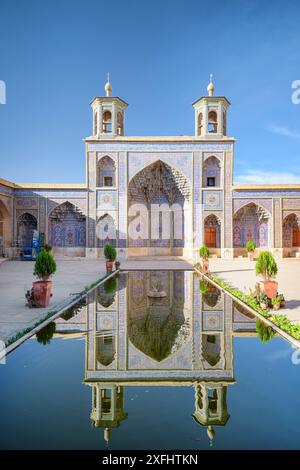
{"x":153,"y":196}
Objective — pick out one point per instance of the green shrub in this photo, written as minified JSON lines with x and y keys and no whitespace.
{"x":110,"y":285}
{"x":265,"y":332}
{"x":47,"y":247}
{"x":45,"y":265}
{"x":203,"y":287}
{"x":110,"y":252}
{"x":45,"y":334}
{"x":204,"y":252}
{"x":266,"y":265}
{"x":250,"y":246}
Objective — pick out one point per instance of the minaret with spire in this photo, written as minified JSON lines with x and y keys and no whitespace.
{"x":211,"y":114}
{"x":108,"y":114}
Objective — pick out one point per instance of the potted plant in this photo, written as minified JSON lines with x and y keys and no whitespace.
{"x":204,"y":255}
{"x":276,"y":302}
{"x":266,"y":267}
{"x":263,"y":301}
{"x":203,"y":287}
{"x":250,"y":247}
{"x":265,"y":332}
{"x":282,"y":300}
{"x":110,"y":254}
{"x":44,"y":267}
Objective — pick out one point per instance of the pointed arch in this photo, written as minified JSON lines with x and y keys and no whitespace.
{"x":106,"y":349}
{"x":5,"y":228}
{"x":158,"y":197}
{"x":106,"y":231}
{"x":251,"y":222}
{"x":291,"y":231}
{"x":26,"y":224}
{"x":106,"y":172}
{"x":212,"y":231}
{"x":211,"y":175}
{"x":67,"y":226}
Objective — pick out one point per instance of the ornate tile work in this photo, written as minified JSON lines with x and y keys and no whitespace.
{"x":212,"y":200}
{"x":6,"y":190}
{"x":277,"y":223}
{"x":228,"y":202}
{"x":291,"y":203}
{"x":106,"y":199}
{"x":52,"y":193}
{"x":265,"y":203}
{"x":26,"y":203}
{"x":43,"y":215}
{"x":122,"y":200}
{"x":182,"y":162}
{"x":197,"y":198}
{"x":106,"y":321}
{"x":81,"y":203}
{"x":92,"y":202}
{"x":257,"y":194}
{"x":212,"y":321}
{"x":156,"y":147}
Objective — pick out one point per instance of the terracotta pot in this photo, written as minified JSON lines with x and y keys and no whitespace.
{"x":109,"y":266}
{"x":270,"y":288}
{"x":205,"y":265}
{"x":250,"y":255}
{"x":42,"y":293}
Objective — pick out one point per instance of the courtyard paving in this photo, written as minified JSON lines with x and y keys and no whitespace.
{"x":16,"y":277}
{"x":240,"y":273}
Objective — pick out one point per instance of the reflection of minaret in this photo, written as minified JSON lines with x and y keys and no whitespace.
{"x":211,"y":406}
{"x":107,"y":407}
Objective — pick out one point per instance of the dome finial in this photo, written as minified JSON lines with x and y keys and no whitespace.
{"x":108,"y":87}
{"x":211,"y":87}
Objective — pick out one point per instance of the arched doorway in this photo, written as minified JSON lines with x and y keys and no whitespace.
{"x":250,"y":222}
{"x":291,"y":234}
{"x":158,"y":211}
{"x":5,"y":229}
{"x":67,"y":230}
{"x":26,"y":224}
{"x":212,"y":233}
{"x":106,"y":231}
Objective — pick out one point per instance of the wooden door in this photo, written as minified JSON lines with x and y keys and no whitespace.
{"x":296,"y":236}
{"x":210,"y":237}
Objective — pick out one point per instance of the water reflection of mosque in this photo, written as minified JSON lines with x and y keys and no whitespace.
{"x":182,"y":339}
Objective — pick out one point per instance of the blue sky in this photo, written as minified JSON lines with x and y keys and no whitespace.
{"x":54,"y":56}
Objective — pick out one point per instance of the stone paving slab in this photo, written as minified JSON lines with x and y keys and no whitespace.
{"x":240,"y":273}
{"x":72,"y":275}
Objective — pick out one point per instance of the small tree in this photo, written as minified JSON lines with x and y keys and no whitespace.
{"x":204,"y":252}
{"x":250,"y":246}
{"x":46,"y":334}
{"x":266,"y":266}
{"x":110,"y":252}
{"x":110,"y":286}
{"x":45,"y":265}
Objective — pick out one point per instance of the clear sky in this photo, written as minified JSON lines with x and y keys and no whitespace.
{"x":54,"y":56}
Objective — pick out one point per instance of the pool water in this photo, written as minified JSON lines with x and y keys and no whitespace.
{"x":126,"y":370}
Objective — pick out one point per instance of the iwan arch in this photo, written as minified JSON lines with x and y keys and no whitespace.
{"x":153,"y":196}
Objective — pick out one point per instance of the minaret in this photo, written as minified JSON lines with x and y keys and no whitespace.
{"x":211,"y":114}
{"x":108,"y":114}
{"x":108,"y":403}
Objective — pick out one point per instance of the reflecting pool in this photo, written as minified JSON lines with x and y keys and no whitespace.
{"x":151,"y":360}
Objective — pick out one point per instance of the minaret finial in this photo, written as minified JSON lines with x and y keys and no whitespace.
{"x":211,"y":87}
{"x":108,"y":87}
